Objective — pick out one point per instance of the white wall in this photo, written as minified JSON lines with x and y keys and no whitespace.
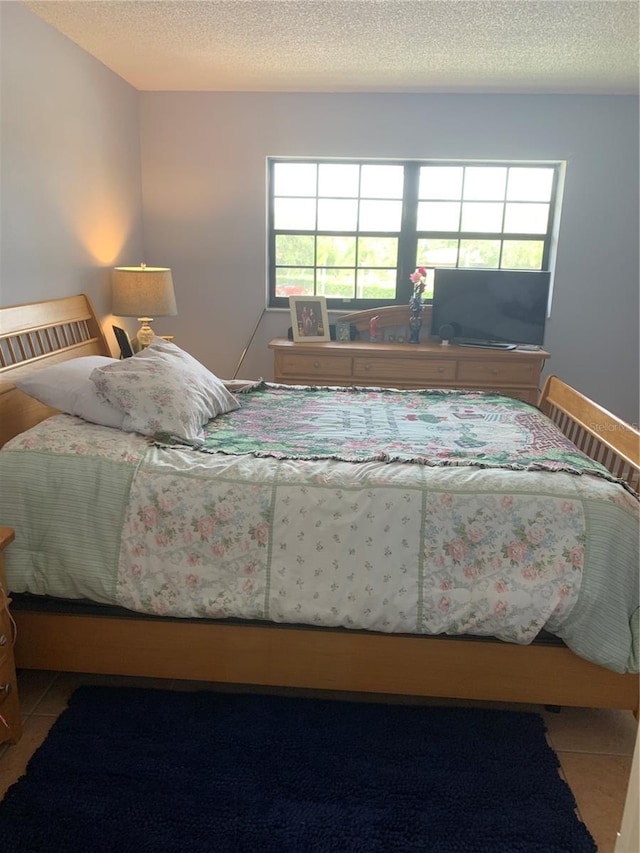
{"x":70,"y":167}
{"x":203,"y":158}
{"x":74,"y":138}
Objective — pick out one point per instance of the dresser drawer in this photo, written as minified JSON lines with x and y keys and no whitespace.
{"x":310,"y":365}
{"x":498,"y":371}
{"x":401,"y":370}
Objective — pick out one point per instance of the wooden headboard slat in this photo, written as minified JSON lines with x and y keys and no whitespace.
{"x":36,"y":336}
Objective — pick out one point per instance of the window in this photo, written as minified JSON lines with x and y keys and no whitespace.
{"x":353,"y":231}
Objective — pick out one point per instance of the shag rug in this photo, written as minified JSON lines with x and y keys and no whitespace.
{"x":154,"y":770}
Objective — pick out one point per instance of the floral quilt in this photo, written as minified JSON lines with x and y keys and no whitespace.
{"x":379,"y":545}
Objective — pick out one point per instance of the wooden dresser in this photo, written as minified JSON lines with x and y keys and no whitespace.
{"x":515,"y":373}
{"x":10,"y":724}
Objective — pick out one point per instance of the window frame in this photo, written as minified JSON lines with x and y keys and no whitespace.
{"x":408,"y":235}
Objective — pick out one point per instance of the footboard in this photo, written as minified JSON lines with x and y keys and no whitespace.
{"x":595,"y":431}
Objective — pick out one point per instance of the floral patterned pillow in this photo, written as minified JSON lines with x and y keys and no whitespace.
{"x":163,"y":390}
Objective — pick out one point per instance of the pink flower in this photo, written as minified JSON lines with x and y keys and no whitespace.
{"x":475,"y":531}
{"x":444,"y":604}
{"x":457,"y":550}
{"x":445,"y":585}
{"x":576,"y":556}
{"x":218,"y":549}
{"x":206,"y":526}
{"x":500,"y":586}
{"x":261,"y":533}
{"x":149,"y":516}
{"x":535,"y":534}
{"x":248,"y":585}
{"x":191,"y":580}
{"x":471,"y":572}
{"x":516,"y":551}
{"x":500,"y":607}
{"x":193,"y":560}
{"x":507,"y":502}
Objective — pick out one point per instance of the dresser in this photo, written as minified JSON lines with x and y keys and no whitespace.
{"x":515,"y":373}
{"x":10,"y":725}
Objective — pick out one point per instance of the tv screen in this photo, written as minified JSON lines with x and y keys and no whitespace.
{"x":490,"y":306}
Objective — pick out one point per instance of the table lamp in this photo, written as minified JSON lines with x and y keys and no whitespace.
{"x":143,"y":292}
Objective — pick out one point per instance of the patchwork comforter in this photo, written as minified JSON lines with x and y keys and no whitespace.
{"x":382,"y":516}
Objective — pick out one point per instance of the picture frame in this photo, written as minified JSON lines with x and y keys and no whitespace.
{"x":343,"y":331}
{"x":309,"y":319}
{"x":126,"y":350}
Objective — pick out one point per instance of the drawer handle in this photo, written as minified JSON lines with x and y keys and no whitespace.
{"x":495,"y":371}
{"x":367,"y":367}
{"x":5,"y":689}
{"x":441,"y":370}
{"x":316,"y":364}
{"x":3,"y":639}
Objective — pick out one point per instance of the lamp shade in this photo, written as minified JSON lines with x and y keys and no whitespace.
{"x":143,"y":292}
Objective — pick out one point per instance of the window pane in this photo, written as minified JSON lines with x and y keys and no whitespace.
{"x":382,"y":182}
{"x":336,"y":283}
{"x":526,"y":218}
{"x":380,"y":215}
{"x":337,"y":215}
{"x":290,"y":282}
{"x":530,"y":184}
{"x":339,"y":180}
{"x":438,"y":215}
{"x":437,"y":253}
{"x":479,"y":253}
{"x":294,"y":178}
{"x":377,"y":251}
{"x":294,"y":214}
{"x":376,"y":284}
{"x":440,"y":182}
{"x":479,"y":216}
{"x":294,"y":249}
{"x":336,"y":251}
{"x":484,"y":182}
{"x":522,"y":254}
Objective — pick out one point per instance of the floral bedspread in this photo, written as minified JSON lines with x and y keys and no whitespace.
{"x":382,"y":546}
{"x":432,"y":427}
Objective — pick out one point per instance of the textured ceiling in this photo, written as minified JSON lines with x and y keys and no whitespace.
{"x":564,"y":46}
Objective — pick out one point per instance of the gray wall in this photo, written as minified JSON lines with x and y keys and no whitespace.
{"x":87,"y":160}
{"x":70,"y":186}
{"x":204,"y":190}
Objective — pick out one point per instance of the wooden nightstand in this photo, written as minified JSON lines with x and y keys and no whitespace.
{"x":10,"y":723}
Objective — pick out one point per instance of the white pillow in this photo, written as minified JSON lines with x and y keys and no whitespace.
{"x":67,"y":387}
{"x":162,"y":389}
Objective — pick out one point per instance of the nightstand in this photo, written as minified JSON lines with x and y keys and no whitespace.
{"x":10,"y":723}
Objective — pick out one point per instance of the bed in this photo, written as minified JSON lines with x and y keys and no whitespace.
{"x":62,"y":634}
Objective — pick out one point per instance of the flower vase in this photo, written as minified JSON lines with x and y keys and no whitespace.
{"x":415,"y":320}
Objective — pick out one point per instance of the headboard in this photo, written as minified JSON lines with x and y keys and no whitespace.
{"x":37,"y":335}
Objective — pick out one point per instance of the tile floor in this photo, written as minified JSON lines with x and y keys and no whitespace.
{"x":594,"y":746}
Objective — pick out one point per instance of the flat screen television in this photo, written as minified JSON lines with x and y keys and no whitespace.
{"x":490,"y":307}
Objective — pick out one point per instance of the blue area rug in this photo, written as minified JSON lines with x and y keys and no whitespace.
{"x":144,"y":770}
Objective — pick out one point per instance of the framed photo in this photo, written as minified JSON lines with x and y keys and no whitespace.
{"x":343,"y":331}
{"x":126,"y":350}
{"x":309,"y":318}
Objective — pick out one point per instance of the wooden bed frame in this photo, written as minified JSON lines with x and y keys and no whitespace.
{"x":297,"y":656}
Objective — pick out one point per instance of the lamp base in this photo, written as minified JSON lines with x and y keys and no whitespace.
{"x":145,"y":333}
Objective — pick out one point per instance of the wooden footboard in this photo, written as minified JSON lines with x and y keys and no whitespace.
{"x":598,"y":433}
